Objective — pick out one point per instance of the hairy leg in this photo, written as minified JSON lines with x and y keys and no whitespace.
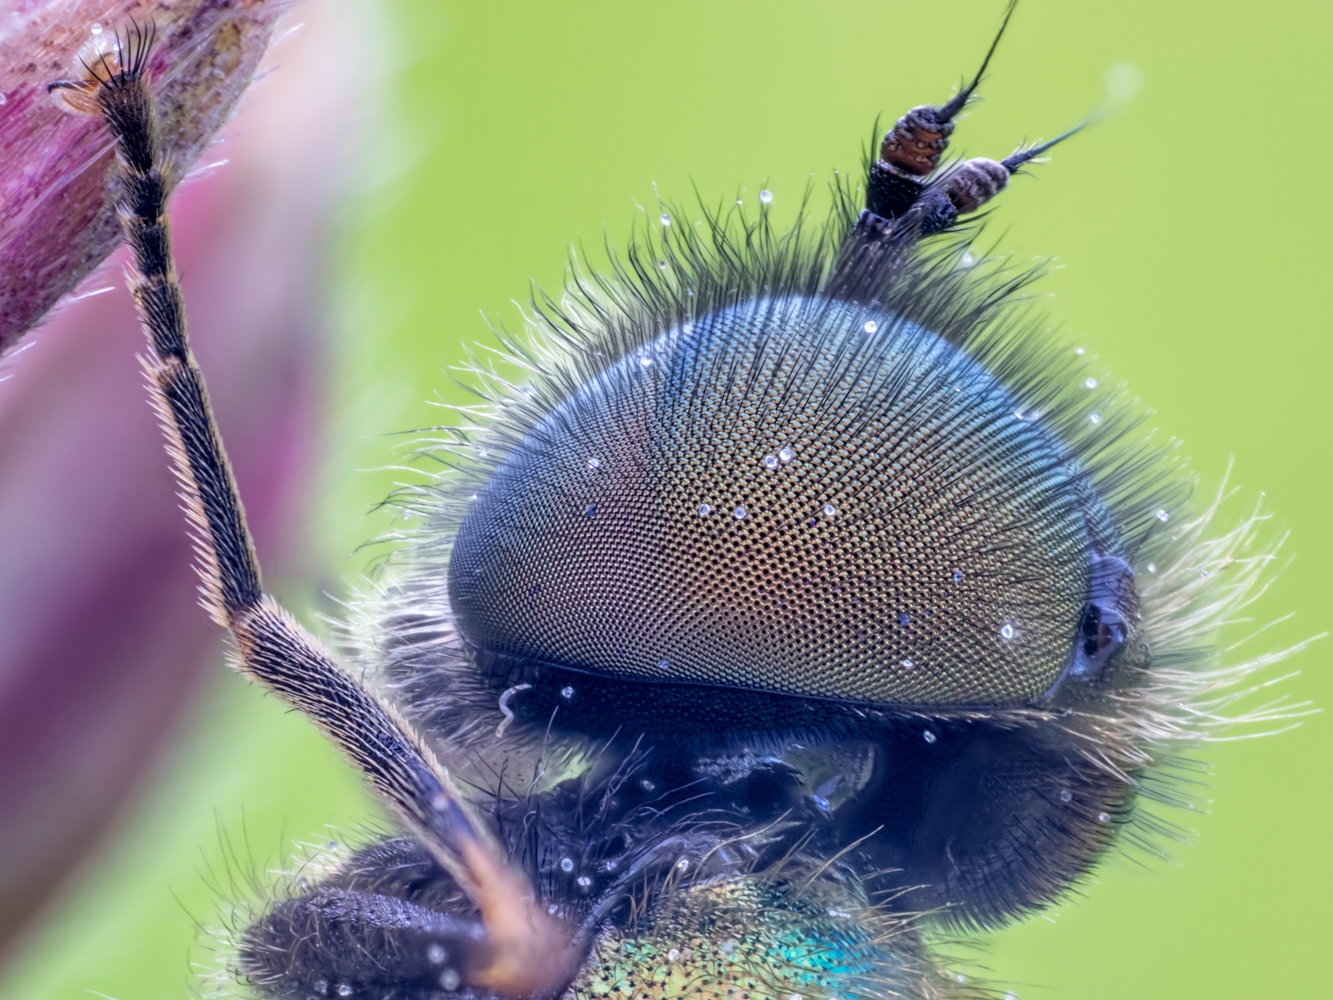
{"x":521,"y":952}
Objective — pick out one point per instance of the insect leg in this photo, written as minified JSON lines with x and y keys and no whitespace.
{"x":527,"y":954}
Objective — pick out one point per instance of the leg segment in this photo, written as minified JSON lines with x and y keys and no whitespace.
{"x":527,"y":954}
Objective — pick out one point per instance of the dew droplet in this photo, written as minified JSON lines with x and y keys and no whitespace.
{"x":566,"y":864}
{"x":97,"y":28}
{"x":4,"y":99}
{"x":647,"y":785}
{"x":646,"y":362}
{"x":705,"y":509}
{"x":728,"y":946}
{"x":567,"y":692}
{"x":583,"y":881}
{"x":664,"y":664}
{"x":1094,"y":418}
{"x":1103,"y":817}
{"x":958,"y":576}
{"x":871,"y":326}
{"x":590,"y":510}
{"x":1152,"y":567}
{"x":929,"y":737}
{"x":770,"y":461}
{"x":1066,"y":796}
{"x":830,"y":510}
{"x":661,"y":264}
{"x":594,"y":463}
{"x":666,"y":219}
{"x":908,"y":664}
{"x":739,"y":513}
{"x":1078,"y":350}
{"x":904,"y":618}
{"x":551,"y":908}
{"x":967,"y":259}
{"x":786,"y":454}
{"x":449,"y":980}
{"x":683,"y":864}
{"x":436,"y":954}
{"x":1089,"y":383}
{"x":766,"y":196}
{"x":794,"y":996}
{"x":344,"y":990}
{"x":1163,"y":516}
{"x":673,"y":954}
{"x":1006,"y":631}
{"x":536,"y":588}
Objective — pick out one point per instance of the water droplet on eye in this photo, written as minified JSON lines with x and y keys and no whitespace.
{"x":770,"y":461}
{"x":871,"y":326}
{"x":673,"y":954}
{"x":1163,"y":516}
{"x":1152,"y":567}
{"x":1006,"y":631}
{"x":1094,"y":418}
{"x":664,"y":664}
{"x":1090,"y":383}
{"x":590,"y":510}
{"x":766,"y":196}
{"x":904,"y":618}
{"x":740,"y":513}
{"x":666,"y":219}
{"x":646,"y":362}
{"x":584,"y":881}
{"x":436,"y":954}
{"x":830,"y":510}
{"x":594,"y":463}
{"x":908,"y":664}
{"x":566,"y":693}
{"x":958,"y":576}
{"x":786,"y":455}
{"x":705,"y":510}
{"x":1066,"y":796}
{"x":566,"y":864}
{"x":929,"y":737}
{"x":449,"y":980}
{"x":1103,"y":817}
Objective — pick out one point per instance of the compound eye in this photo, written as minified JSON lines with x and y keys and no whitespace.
{"x":795,"y":496}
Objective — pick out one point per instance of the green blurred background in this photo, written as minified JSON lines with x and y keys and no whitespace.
{"x":1191,"y":233}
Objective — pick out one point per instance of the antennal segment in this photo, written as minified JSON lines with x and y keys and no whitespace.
{"x":913,"y":147}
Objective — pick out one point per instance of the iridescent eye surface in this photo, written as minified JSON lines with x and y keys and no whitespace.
{"x":909,"y":535}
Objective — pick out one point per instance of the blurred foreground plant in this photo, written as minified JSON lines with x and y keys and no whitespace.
{"x":102,"y":644}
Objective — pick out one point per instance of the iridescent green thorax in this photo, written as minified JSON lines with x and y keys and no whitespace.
{"x":747,"y":938}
